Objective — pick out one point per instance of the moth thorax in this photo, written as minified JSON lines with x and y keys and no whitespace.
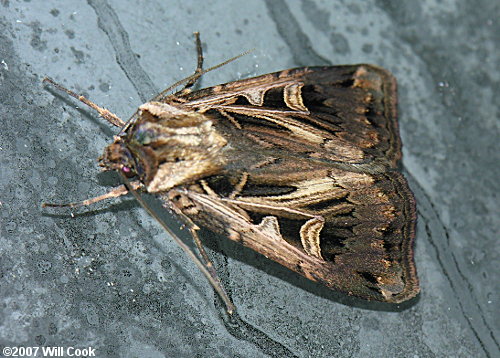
{"x":178,"y":146}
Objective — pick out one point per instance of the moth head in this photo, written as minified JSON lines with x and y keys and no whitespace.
{"x":117,"y":156}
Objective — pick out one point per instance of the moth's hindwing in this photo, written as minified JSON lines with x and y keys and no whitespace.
{"x":299,"y":165}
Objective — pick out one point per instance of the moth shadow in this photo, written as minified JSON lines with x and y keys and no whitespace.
{"x":243,"y":254}
{"x":123,"y":206}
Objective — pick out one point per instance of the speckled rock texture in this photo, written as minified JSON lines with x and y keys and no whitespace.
{"x":109,"y":278}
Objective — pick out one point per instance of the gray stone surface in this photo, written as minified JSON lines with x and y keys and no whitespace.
{"x":109,"y":277}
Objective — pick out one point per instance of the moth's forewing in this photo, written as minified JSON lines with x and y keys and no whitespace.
{"x":299,"y":165}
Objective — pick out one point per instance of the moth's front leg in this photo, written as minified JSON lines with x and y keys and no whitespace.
{"x":115,"y":193}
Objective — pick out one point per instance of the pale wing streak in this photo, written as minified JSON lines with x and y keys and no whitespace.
{"x":282,"y":118}
{"x":308,"y":192}
{"x":254,"y":93}
{"x":343,"y":150}
{"x":309,"y":231}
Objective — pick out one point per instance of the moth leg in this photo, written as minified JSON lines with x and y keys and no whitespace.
{"x":193,"y":229}
{"x":115,"y":193}
{"x":219,"y":288}
{"x":199,"y":67}
{"x":103,"y":112}
{"x":207,"y":263}
{"x":191,"y":80}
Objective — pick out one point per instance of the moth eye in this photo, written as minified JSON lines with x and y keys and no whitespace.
{"x":129,"y":173}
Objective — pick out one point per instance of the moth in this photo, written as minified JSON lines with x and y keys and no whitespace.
{"x":299,"y":165}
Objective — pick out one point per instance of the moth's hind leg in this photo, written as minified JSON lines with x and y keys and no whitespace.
{"x":191,"y":80}
{"x":210,"y":272}
{"x":206,"y":260}
{"x":199,"y":67}
{"x":216,"y":283}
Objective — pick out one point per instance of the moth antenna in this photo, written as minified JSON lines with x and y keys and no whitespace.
{"x":115,"y":193}
{"x":103,"y":112}
{"x":230,"y":308}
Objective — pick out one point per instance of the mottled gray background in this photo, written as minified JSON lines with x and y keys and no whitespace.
{"x":111,"y":279}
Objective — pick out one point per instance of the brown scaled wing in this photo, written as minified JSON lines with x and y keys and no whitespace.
{"x":312,"y":180}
